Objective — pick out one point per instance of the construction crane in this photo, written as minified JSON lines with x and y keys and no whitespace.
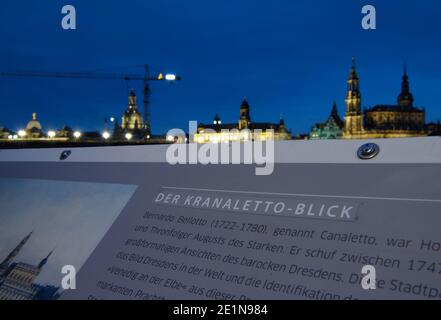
{"x":146,"y":78}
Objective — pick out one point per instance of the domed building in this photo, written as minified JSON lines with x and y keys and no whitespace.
{"x":34,"y":128}
{"x":132,"y":118}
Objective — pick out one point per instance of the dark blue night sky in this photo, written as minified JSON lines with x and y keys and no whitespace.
{"x":287,"y":57}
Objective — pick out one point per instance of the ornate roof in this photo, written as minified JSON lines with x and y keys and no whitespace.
{"x":393,"y":108}
{"x":34,"y":123}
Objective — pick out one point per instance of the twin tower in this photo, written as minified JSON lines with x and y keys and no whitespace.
{"x":382,"y":121}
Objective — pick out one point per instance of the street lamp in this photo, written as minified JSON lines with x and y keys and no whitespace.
{"x":129,"y":136}
{"x":51,"y":134}
{"x":170,"y":77}
{"x":106,"y":135}
{"x":21,"y":133}
{"x":77,"y":134}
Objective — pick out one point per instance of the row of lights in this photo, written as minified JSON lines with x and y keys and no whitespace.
{"x":77,"y":134}
{"x":106,"y":135}
{"x":51,"y":134}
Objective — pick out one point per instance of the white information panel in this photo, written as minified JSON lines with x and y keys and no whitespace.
{"x":324,"y":225}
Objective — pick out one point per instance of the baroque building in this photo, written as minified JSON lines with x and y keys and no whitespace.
{"x":132,"y":118}
{"x":332,"y":128}
{"x":382,"y":121}
{"x":17,"y":278}
{"x":34,"y":128}
{"x":132,"y":122}
{"x":243,"y":130}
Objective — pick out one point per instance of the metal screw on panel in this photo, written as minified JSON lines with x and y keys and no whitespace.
{"x":65,"y":154}
{"x":368,"y":151}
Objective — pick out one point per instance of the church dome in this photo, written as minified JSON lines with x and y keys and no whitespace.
{"x":33,"y":124}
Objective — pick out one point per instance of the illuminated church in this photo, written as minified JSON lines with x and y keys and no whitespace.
{"x":132,"y":122}
{"x":132,"y":118}
{"x":243,"y":130}
{"x":17,"y":278}
{"x":33,"y":128}
{"x":382,"y":121}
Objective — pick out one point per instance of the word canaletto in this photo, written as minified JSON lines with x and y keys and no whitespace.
{"x":285,"y":207}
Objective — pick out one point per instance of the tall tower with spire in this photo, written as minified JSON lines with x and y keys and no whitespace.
{"x":353,"y":117}
{"x":244,"y":117}
{"x":17,"y":278}
{"x":11,"y":256}
{"x":44,"y":261}
{"x":405,"y":98}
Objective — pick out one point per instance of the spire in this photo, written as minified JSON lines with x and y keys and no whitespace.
{"x":132,"y":98}
{"x":334,"y":115}
{"x":334,"y":111}
{"x":353,"y":73}
{"x":282,"y":120}
{"x":405,"y":98}
{"x":44,"y":261}
{"x":353,"y":96}
{"x":14,"y":252}
{"x":353,"y":124}
{"x":245,"y":102}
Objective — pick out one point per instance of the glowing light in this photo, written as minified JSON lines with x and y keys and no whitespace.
{"x":148,"y":136}
{"x":170,"y":77}
{"x":77,"y":134}
{"x":51,"y":134}
{"x":106,"y":135}
{"x":15,"y":137}
{"x":160,"y":76}
{"x":112,"y":119}
{"x":10,"y":137}
{"x":21,"y":133}
{"x":129,"y":136}
{"x":170,"y":138}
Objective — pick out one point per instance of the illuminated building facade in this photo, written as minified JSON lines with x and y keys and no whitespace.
{"x":132,"y":118}
{"x":332,"y":128}
{"x":34,"y":128}
{"x":4,"y":133}
{"x":382,"y":121}
{"x":243,"y":130}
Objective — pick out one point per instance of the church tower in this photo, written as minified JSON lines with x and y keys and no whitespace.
{"x":132,"y":119}
{"x":405,"y":99}
{"x":353,"y":117}
{"x":11,"y":256}
{"x":44,"y":261}
{"x":244,"y":118}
